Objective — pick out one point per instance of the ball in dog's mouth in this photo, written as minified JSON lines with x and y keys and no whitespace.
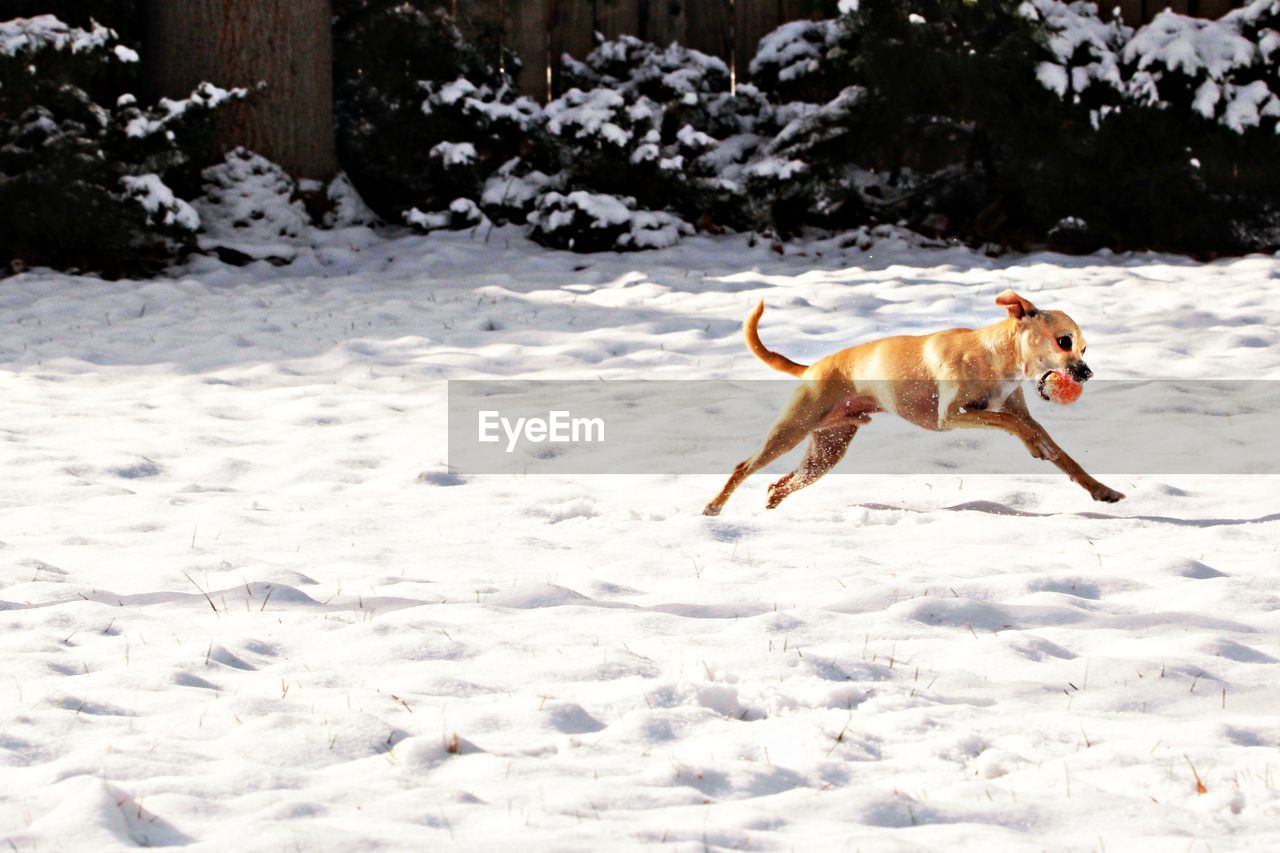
{"x":1057,"y":387}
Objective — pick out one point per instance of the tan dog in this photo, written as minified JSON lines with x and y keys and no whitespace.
{"x":950,"y":379}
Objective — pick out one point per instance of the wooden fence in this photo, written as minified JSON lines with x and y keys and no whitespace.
{"x":540,"y":31}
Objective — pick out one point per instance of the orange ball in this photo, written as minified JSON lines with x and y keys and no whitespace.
{"x":1062,"y":389}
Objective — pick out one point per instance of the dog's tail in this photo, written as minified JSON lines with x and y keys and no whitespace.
{"x":768,"y":356}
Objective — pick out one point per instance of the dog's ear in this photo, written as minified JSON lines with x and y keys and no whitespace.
{"x":1017,"y":306}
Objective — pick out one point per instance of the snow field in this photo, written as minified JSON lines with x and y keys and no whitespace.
{"x":243,"y":602}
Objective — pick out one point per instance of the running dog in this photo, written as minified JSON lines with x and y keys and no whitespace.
{"x":958,"y":378}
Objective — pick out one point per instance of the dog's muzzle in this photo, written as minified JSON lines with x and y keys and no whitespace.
{"x":1078,"y":371}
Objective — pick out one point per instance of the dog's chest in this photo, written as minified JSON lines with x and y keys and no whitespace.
{"x":994,"y":400}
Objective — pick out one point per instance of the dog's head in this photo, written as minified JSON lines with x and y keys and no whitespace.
{"x":1046,"y":340}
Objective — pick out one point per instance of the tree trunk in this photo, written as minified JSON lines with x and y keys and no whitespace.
{"x":285,"y":44}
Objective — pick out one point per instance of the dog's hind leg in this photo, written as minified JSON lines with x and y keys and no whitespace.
{"x":803,"y":414}
{"x":826,"y":448}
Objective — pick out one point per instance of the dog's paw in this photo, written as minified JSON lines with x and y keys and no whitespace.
{"x":712,"y":509}
{"x":777,"y":492}
{"x":1106,"y":494}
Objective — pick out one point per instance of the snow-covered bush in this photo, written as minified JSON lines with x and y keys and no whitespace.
{"x":1083,"y":61}
{"x":655,"y":125}
{"x":250,"y":205}
{"x":426,"y":126}
{"x":635,"y":68}
{"x":252,"y":209}
{"x":84,"y":167}
{"x":1184,"y":117}
{"x":1024,"y":122}
{"x":933,"y":106}
{"x":164,"y":210}
{"x":461,"y":213}
{"x":511,"y":192}
{"x":124,"y":17}
{"x":605,"y":143}
{"x":592,"y":222}
{"x":809,"y":172}
{"x":801,"y":60}
{"x":346,"y":208}
{"x":1225,"y":70}
{"x":423,"y":118}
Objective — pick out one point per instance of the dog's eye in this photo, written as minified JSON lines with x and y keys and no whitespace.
{"x":1065,"y":342}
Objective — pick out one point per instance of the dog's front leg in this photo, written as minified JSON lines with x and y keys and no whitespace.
{"x":1048,"y":449}
{"x":1037,"y":441}
{"x":1042,"y":447}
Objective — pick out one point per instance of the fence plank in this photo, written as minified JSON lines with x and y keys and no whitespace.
{"x":526,"y":33}
{"x":571,"y":23}
{"x":1215,"y":8}
{"x":1133,"y":12}
{"x":615,"y":18}
{"x":667,"y":21}
{"x":710,"y":28}
{"x":797,"y":10}
{"x":753,"y":19}
{"x":481,"y":24}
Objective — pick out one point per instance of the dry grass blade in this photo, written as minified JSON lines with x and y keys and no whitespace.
{"x":202,"y":592}
{"x":1200,"y":788}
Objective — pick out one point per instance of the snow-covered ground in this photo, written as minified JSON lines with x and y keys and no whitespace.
{"x":244,"y":604}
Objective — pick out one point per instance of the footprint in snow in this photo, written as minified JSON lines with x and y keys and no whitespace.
{"x":1194,"y":569}
{"x":97,"y":709}
{"x":187,"y":679}
{"x":723,"y":531}
{"x":219,"y":654}
{"x":139,"y":470}
{"x":571,"y":719}
{"x":1231,"y":650}
{"x":1248,"y":737}
{"x":1066,"y":586}
{"x":441,"y":478}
